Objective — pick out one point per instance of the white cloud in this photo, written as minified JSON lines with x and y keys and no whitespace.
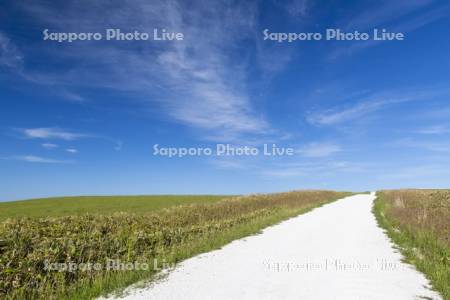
{"x":200,"y":81}
{"x":373,"y":103}
{"x":72,"y":97}
{"x":49,"y":146}
{"x":425,"y":18}
{"x":273,"y":58}
{"x":72,"y":150}
{"x":295,"y":8}
{"x":10,"y":56}
{"x":421,"y":173}
{"x":316,"y":169}
{"x":334,"y":116}
{"x":388,"y":13}
{"x":280,"y":173}
{"x":437,"y":129}
{"x":210,"y":86}
{"x":384,"y":12}
{"x":55,"y":133}
{"x":439,"y":146}
{"x":227,"y":164}
{"x":37,"y":159}
{"x":51,"y":133}
{"x":441,"y":113}
{"x":320,"y":149}
{"x":118,"y":146}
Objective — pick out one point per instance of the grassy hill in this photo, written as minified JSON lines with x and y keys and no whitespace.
{"x":69,"y":206}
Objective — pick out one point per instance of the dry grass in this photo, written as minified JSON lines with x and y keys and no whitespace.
{"x":419,"y":222}
{"x":421,"y":210}
{"x":172,"y":234}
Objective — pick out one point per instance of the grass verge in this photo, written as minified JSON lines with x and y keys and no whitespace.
{"x":418,"y":222}
{"x":169,"y":235}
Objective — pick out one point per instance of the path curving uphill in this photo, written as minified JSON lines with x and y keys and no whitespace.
{"x":336,"y":251}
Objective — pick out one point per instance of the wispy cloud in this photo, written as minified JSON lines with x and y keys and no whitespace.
{"x":424,"y":174}
{"x":273,"y":58}
{"x":316,"y":169}
{"x":227,"y":164}
{"x":119,"y":145}
{"x":56,"y":133}
{"x":51,"y":133}
{"x":319,"y":149}
{"x":37,"y":159}
{"x":440,"y":113}
{"x":10,"y":56}
{"x":384,"y":12}
{"x":73,"y":97}
{"x":399,"y":16}
{"x":437,"y":129}
{"x":287,"y":172}
{"x":372,"y":103}
{"x":423,"y":19}
{"x":429,"y":145}
{"x":211,"y":84}
{"x":72,"y":150}
{"x":200,"y":81}
{"x":49,"y":146}
{"x":297,"y":8}
{"x":335,"y":115}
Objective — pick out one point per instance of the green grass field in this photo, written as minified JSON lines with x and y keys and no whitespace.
{"x":69,"y":206}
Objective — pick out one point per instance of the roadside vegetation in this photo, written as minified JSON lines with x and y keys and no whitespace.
{"x":69,"y":206}
{"x":29,"y":244}
{"x":418,"y":221}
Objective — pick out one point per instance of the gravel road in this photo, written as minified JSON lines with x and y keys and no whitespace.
{"x":336,"y":251}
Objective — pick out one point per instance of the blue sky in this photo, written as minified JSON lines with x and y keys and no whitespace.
{"x":81,"y":118}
